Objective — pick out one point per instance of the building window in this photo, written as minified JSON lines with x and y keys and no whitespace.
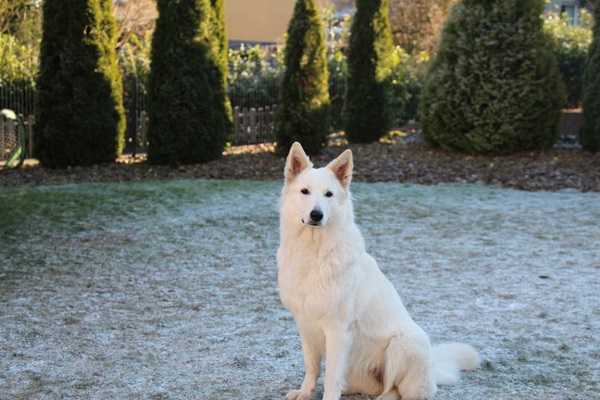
{"x":571,"y":11}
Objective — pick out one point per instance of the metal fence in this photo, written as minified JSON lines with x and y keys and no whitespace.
{"x":135,"y":100}
{"x":19,"y":97}
{"x":253,"y":112}
{"x":254,"y":125}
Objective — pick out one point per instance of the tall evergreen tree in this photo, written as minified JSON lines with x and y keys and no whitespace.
{"x":370,"y":61}
{"x":304,"y":109}
{"x":591,"y":100}
{"x":220,"y":33}
{"x":219,"y":30}
{"x":494,"y":86}
{"x":188,"y":106}
{"x":80,"y":118}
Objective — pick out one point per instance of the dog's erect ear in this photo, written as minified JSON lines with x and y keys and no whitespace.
{"x":342,"y":168}
{"x":297,"y":161}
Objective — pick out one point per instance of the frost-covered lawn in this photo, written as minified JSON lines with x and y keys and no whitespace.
{"x":168,"y":290}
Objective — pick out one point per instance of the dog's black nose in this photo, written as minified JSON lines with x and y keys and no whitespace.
{"x":316,"y":215}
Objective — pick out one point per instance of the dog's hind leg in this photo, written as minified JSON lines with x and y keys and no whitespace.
{"x":409,"y":368}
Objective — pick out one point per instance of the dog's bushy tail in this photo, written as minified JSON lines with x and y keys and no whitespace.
{"x":451,"y":358}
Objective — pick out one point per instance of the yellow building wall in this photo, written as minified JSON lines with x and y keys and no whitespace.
{"x":258,"y":20}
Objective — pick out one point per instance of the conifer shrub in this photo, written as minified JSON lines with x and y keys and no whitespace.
{"x":368,"y":110}
{"x":494,"y":86}
{"x":304,"y":95}
{"x":220,"y":32}
{"x":187,"y":101}
{"x":591,"y":99}
{"x":80,"y":116}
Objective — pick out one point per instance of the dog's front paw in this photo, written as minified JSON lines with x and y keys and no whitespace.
{"x":298,"y":395}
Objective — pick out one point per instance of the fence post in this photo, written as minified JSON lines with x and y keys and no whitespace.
{"x":236,"y":124}
{"x":260,"y":124}
{"x":244,"y":125}
{"x":142,"y":137}
{"x":2,"y":133}
{"x":30,"y":122}
{"x":253,"y":123}
{"x":13,"y":131}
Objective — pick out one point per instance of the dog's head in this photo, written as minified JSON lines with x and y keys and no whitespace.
{"x":315,"y":197}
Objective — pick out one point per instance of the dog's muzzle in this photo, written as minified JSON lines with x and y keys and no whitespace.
{"x":316,"y":216}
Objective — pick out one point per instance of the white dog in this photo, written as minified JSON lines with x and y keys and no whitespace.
{"x":346,"y":310}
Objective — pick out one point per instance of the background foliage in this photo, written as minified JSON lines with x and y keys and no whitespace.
{"x":570,"y":44}
{"x":417,"y":24}
{"x":254,"y":73}
{"x":19,"y":60}
{"x":20,"y":35}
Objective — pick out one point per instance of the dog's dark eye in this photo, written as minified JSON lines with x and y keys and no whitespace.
{"x":305,"y":191}
{"x":328,"y":194}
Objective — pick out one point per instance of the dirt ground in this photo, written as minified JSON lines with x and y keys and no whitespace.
{"x":167,"y":290}
{"x":394,"y":160}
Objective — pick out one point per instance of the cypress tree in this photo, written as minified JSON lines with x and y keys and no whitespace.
{"x":304,"y":109}
{"x":80,"y":116}
{"x":188,"y":122}
{"x":494,"y":86}
{"x":368,"y":114}
{"x":220,"y":32}
{"x":591,"y":100}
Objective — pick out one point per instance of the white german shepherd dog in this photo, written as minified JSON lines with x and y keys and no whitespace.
{"x":346,"y":310}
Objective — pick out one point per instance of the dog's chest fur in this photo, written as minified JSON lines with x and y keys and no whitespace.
{"x":314,"y":278}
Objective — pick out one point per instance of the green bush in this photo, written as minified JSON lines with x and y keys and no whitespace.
{"x":188,"y":108}
{"x":19,"y":61}
{"x":368,"y":109}
{"x":570,"y":45}
{"x":412,"y":85}
{"x":494,"y":86}
{"x":406,"y":81}
{"x":304,"y":108}
{"x":22,"y":19}
{"x":591,"y":100}
{"x":80,"y":118}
